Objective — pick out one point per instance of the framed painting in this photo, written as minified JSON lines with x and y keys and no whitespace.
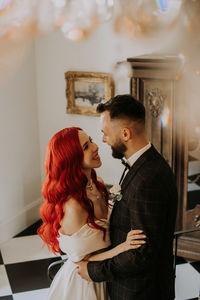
{"x":85,"y":90}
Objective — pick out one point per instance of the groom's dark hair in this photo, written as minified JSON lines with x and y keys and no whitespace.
{"x":124,"y":107}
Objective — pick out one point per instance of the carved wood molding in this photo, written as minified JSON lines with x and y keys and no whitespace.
{"x":134,"y":87}
{"x":155,"y":100}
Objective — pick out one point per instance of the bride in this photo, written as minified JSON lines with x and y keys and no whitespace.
{"x":75,"y":214}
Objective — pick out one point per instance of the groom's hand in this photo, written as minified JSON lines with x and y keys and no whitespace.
{"x":82,"y":270}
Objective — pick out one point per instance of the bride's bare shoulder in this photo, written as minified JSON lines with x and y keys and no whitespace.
{"x":75,"y":216}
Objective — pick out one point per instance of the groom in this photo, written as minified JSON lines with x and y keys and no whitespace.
{"x":149,"y":203}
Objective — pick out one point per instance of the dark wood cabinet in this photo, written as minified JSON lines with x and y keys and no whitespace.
{"x":156,"y":81}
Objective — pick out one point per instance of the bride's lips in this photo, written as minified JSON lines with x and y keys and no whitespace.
{"x":97,"y":157}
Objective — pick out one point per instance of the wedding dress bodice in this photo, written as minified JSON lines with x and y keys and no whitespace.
{"x":85,"y":241}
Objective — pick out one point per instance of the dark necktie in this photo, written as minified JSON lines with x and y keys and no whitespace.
{"x":127,"y":167}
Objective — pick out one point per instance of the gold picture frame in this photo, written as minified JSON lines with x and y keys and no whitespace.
{"x":85,"y":90}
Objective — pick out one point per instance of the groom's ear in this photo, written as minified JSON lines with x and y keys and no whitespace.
{"x":126,"y":134}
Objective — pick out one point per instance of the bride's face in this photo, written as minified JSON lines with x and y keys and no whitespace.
{"x":90,"y":150}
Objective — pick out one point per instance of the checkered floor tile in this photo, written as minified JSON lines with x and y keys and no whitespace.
{"x":24,"y":261}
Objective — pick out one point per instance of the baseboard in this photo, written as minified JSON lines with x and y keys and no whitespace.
{"x":19,"y":222}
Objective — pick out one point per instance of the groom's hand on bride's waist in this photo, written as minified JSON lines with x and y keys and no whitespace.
{"x":82,"y":270}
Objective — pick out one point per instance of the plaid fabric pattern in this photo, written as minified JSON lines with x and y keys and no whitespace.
{"x":149,"y":203}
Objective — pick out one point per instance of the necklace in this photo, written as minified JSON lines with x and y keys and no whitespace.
{"x":92,"y":193}
{"x":89,"y":186}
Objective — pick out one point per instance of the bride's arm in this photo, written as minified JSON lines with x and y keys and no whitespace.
{"x":134,"y":240}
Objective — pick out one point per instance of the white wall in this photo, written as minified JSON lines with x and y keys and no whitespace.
{"x":54,"y":56}
{"x":20,"y":178}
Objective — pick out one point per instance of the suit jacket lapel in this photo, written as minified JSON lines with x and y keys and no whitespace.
{"x":136,"y":166}
{"x":133,"y":170}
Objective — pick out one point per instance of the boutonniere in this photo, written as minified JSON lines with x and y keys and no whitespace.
{"x":115,"y":193}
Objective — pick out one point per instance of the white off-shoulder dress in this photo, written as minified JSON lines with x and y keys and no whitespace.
{"x":67,"y":284}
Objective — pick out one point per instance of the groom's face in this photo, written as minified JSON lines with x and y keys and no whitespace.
{"x":111,"y":130}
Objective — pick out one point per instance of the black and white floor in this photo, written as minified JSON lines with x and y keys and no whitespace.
{"x":24,"y":262}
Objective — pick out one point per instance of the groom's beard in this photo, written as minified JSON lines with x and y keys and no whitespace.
{"x":118,"y":149}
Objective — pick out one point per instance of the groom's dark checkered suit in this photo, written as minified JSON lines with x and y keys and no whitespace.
{"x":149,"y":203}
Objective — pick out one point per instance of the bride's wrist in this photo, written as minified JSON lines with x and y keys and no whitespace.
{"x":122,"y":247}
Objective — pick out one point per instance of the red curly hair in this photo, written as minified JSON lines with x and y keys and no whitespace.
{"x":63,"y":167}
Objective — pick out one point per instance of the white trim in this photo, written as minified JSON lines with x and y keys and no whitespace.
{"x":12,"y":226}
